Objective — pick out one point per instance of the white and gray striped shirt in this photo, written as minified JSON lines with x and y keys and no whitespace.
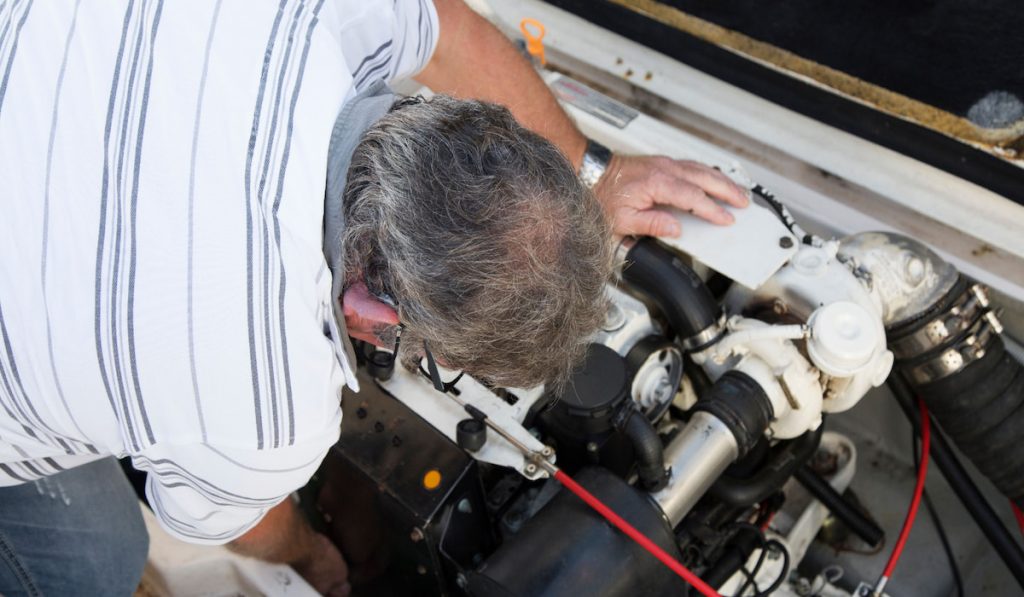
{"x":163,"y":290}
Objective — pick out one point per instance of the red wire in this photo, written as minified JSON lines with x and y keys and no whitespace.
{"x":635,"y":535}
{"x":1019,"y":515}
{"x":922,"y":473}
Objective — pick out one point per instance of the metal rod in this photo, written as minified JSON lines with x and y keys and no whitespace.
{"x":533,"y":456}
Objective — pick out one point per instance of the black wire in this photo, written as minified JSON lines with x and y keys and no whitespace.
{"x":742,"y":524}
{"x":780,"y":210}
{"x":938,"y":525}
{"x":752,"y":574}
{"x":769,"y":545}
{"x":785,"y":568}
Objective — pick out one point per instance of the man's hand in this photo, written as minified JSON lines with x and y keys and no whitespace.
{"x":284,"y":537}
{"x":475,"y":60}
{"x":633,"y":188}
{"x":325,"y":569}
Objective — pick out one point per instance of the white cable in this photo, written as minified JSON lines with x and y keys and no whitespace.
{"x":768,"y":332}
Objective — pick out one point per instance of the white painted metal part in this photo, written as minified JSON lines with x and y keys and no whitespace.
{"x":444,"y":414}
{"x":725,"y":249}
{"x":811,"y":283}
{"x":826,"y":176}
{"x":766,"y":353}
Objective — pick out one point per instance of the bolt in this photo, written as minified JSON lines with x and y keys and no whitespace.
{"x":396,"y":441}
{"x":786,"y":242}
{"x":361,"y":412}
{"x":421,"y":569}
{"x":416,"y":535}
{"x":464,"y":506}
{"x":531,"y":468}
{"x":460,"y":580}
{"x":547,"y":451}
{"x":592,"y":447}
{"x":378,"y":427}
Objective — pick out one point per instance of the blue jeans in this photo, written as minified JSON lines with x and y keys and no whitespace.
{"x":79,"y":532}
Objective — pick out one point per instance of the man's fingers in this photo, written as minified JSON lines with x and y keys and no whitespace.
{"x":712,"y":181}
{"x":687,"y":196}
{"x":650,"y":222}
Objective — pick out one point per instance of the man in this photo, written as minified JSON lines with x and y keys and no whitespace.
{"x":164,"y":292}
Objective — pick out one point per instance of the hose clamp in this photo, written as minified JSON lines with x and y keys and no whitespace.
{"x":955,"y":358}
{"x":706,"y":337}
{"x":969,"y":308}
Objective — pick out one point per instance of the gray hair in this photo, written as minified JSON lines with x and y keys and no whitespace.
{"x":495,"y":252}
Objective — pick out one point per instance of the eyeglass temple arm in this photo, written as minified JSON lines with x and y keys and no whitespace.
{"x":435,"y":376}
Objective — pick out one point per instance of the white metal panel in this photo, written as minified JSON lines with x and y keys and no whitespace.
{"x":932,"y":193}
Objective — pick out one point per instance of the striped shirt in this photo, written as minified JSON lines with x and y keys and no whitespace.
{"x":163,"y":289}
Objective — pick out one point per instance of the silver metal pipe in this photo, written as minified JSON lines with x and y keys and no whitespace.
{"x":698,"y":456}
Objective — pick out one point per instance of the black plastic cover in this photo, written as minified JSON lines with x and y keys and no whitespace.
{"x":567,"y":549}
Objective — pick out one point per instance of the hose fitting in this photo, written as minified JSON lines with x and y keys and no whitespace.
{"x":679,"y":293}
{"x":946,"y":340}
{"x":725,"y":425}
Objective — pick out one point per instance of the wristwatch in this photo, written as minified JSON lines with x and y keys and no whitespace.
{"x":595,"y":162}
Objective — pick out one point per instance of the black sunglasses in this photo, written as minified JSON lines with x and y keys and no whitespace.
{"x":432,"y":373}
{"x":448,"y":387}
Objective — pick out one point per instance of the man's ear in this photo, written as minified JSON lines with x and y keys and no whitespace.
{"x":366,"y":318}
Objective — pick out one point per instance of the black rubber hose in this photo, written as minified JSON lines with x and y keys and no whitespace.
{"x":861,"y":525}
{"x":647,"y":449}
{"x":734,"y":555}
{"x":771,"y":475}
{"x":981,"y":406}
{"x":679,"y":293}
{"x":982,"y":409}
{"x":975,"y":503}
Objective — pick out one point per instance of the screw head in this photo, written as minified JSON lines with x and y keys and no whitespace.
{"x":416,"y":535}
{"x":786,"y":242}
